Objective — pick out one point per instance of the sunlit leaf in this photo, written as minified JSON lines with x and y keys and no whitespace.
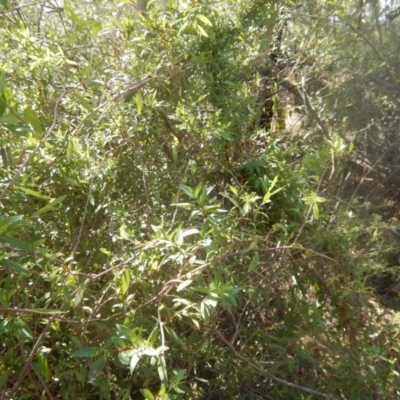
{"x":125,"y":280}
{"x":70,"y":148}
{"x":147,"y":394}
{"x":204,"y":19}
{"x":162,"y":370}
{"x":34,"y":193}
{"x":124,"y":358}
{"x":184,"y":284}
{"x":201,"y":30}
{"x":189,"y":232}
{"x":32,"y":119}
{"x":134,"y":361}
{"x":139,"y":102}
{"x":43,"y":366}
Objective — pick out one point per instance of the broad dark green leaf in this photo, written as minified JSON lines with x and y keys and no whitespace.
{"x":125,"y":331}
{"x":87,"y":352}
{"x":19,"y":244}
{"x":18,"y":268}
{"x":96,"y":367}
{"x":5,"y":223}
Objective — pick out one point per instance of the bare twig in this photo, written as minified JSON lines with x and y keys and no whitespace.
{"x":269,"y":374}
{"x":29,"y":311}
{"x":78,"y":238}
{"x":376,"y":51}
{"x":130,"y":91}
{"x":43,"y":384}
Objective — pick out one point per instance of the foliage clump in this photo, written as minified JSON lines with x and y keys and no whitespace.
{"x":164,"y":234}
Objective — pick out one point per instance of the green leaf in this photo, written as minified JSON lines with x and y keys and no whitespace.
{"x":34,"y":193}
{"x":147,"y":394}
{"x":10,"y":156}
{"x":125,"y":332}
{"x":315,"y":211}
{"x":149,"y":351}
{"x":5,"y":4}
{"x":43,"y":366}
{"x":174,"y":335}
{"x":24,"y":330}
{"x":96,"y":367}
{"x":5,"y":223}
{"x":178,"y":377}
{"x":206,"y":308}
{"x":139,"y":102}
{"x":19,"y":244}
{"x":79,"y":294}
{"x":9,"y":119}
{"x":87,"y":352}
{"x":124,"y":358}
{"x":189,"y":232}
{"x":134,"y":361}
{"x":204,"y":19}
{"x":234,"y":190}
{"x":3,"y":379}
{"x":200,"y":30}
{"x":32,"y":119}
{"x":162,"y":370}
{"x":19,"y":269}
{"x":163,"y":390}
{"x":254,"y":262}
{"x":72,"y":16}
{"x":47,"y":311}
{"x":125,"y":280}
{"x":85,"y":104}
{"x":122,"y":232}
{"x":182,"y":285}
{"x":187,"y":190}
{"x":58,"y":200}
{"x":70,"y":148}
{"x":49,"y":207}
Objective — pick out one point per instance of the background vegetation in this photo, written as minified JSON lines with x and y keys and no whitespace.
{"x":199,"y":200}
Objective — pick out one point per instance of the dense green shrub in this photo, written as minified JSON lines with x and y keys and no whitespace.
{"x":153,"y":242}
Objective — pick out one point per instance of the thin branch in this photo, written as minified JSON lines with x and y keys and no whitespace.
{"x":42,"y":141}
{"x":269,"y":374}
{"x":29,"y":361}
{"x":78,"y":238}
{"x":376,"y":51}
{"x":28,"y":311}
{"x":43,"y":384}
